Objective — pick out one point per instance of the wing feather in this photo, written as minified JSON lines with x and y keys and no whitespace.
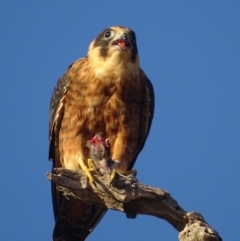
{"x":146,"y":115}
{"x":92,"y":214}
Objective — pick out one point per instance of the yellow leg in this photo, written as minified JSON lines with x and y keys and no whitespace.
{"x":127,"y":173}
{"x":113,"y":174}
{"x":91,"y":166}
{"x":85,"y":169}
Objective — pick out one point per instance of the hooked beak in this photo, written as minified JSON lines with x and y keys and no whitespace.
{"x":123,"y":41}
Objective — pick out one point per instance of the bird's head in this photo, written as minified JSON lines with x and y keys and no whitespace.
{"x":115,"y":46}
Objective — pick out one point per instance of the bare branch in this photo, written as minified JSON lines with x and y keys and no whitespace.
{"x":127,"y":195}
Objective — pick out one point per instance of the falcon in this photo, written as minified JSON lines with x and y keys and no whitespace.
{"x":105,"y":92}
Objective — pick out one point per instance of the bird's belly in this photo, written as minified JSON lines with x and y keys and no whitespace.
{"x":103,"y":117}
{"x":113,"y":111}
{"x":118,"y":121}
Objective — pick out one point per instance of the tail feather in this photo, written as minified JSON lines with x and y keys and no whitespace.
{"x":74,"y":221}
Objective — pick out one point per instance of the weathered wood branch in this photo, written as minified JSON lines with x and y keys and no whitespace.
{"x":127,"y":195}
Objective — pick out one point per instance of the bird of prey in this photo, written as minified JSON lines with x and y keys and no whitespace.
{"x":106,"y":92}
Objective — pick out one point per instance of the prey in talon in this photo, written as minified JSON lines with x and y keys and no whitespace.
{"x":100,"y":155}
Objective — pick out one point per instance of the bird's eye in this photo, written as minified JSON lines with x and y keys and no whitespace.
{"x":108,"y":34}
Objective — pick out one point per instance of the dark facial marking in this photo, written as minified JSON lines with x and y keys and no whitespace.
{"x":133,"y":40}
{"x":103,"y":42}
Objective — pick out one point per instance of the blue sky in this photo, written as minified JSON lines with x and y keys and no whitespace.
{"x":190,"y":51}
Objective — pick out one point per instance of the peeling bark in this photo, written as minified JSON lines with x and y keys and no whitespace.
{"x":127,"y":194}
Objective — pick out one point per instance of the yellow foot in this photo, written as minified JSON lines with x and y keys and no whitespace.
{"x":91,"y":166}
{"x":132,"y":172}
{"x":86,"y":170}
{"x":113,"y":174}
